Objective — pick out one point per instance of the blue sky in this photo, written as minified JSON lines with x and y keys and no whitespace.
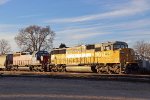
{"x":78,"y":21}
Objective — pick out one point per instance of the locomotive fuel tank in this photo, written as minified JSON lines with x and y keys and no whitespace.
{"x":78,"y":68}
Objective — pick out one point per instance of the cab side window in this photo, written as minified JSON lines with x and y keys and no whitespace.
{"x":107,"y":47}
{"x":116,"y":46}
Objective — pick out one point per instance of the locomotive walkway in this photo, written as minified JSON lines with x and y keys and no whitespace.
{"x":66,"y":75}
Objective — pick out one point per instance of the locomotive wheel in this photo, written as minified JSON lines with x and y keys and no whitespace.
{"x":128,"y":69}
{"x":15,"y":68}
{"x":99,"y":70}
{"x":46,"y":68}
{"x":117,"y":69}
{"x":9,"y":68}
{"x":31,"y":68}
{"x":54,"y":69}
{"x":61,"y":68}
{"x":108,"y":70}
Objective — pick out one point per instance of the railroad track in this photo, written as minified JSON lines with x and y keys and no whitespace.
{"x":67,"y":75}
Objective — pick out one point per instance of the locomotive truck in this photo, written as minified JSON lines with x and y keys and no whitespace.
{"x":110,"y":57}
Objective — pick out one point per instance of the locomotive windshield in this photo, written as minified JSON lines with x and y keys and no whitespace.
{"x":41,"y":53}
{"x":119,"y":46}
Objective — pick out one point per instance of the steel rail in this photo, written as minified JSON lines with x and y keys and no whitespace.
{"x":66,"y":75}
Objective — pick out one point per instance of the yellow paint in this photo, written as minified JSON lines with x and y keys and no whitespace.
{"x":79,"y":55}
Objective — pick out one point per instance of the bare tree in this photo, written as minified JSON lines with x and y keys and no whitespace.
{"x":35,"y":38}
{"x":4,"y":47}
{"x":143,"y":49}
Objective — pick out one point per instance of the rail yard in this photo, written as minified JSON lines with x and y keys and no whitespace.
{"x":109,"y":60}
{"x":101,"y":64}
{"x":75,"y":50}
{"x":89,"y":76}
{"x":102,"y":71}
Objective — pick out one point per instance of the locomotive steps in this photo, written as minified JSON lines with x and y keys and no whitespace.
{"x":89,"y":76}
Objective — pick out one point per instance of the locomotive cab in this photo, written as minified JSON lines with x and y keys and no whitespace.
{"x":114,"y":45}
{"x":126,"y":56}
{"x":115,"y":57}
{"x":43,"y":58}
{"x":40,"y":54}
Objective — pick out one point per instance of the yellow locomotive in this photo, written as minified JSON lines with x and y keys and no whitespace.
{"x":109,"y":57}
